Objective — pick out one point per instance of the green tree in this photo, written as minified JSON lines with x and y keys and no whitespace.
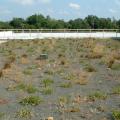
{"x":5,"y":25}
{"x":18,"y":23}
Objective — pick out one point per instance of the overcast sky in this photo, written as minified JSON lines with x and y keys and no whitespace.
{"x":60,"y":9}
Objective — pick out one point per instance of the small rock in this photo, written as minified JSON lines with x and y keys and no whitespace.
{"x":50,"y":118}
{"x":43,"y":57}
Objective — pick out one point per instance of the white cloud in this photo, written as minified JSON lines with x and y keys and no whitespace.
{"x":74,"y":6}
{"x":30,"y":2}
{"x":112,"y":11}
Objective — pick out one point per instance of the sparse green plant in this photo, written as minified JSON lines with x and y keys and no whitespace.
{"x":12,"y":58}
{"x":81,"y":81}
{"x":1,"y":73}
{"x":49,"y":72}
{"x":64,"y":99}
{"x":20,"y":86}
{"x":70,"y":77}
{"x":73,"y":109}
{"x":97,"y":95}
{"x":31,"y":100}
{"x":31,"y":89}
{"x":116,"y":114}
{"x":30,"y":50}
{"x":66,"y":85}
{"x":47,"y":91}
{"x":28,"y":72}
{"x":28,"y":88}
{"x":116,"y":90}
{"x":116,"y":66}
{"x":24,"y":113}
{"x":90,"y":68}
{"x":34,"y":66}
{"x":47,"y":82}
{"x":1,"y":114}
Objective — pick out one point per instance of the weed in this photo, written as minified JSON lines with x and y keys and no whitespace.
{"x":1,"y":115}
{"x":24,"y":56}
{"x":31,"y":100}
{"x":116,"y":66}
{"x":27,"y":72}
{"x":12,"y":58}
{"x":31,"y":89}
{"x":81,"y":81}
{"x":47,"y":82}
{"x":66,"y":85}
{"x":1,"y":73}
{"x":70,"y":77}
{"x":47,"y":91}
{"x":90,"y":68}
{"x":116,"y":90}
{"x":97,"y":95}
{"x":24,"y":113}
{"x":7,"y":66}
{"x":64,"y":99}
{"x":28,"y":88}
{"x":116,"y":115}
{"x":73,"y":109}
{"x":49,"y":72}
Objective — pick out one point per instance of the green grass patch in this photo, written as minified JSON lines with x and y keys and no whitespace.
{"x":97,"y":95}
{"x":116,"y":115}
{"x":66,"y":85}
{"x":27,"y":71}
{"x":31,"y":100}
{"x":24,"y":113}
{"x":1,"y":115}
{"x":47,"y":91}
{"x":116,"y":90}
{"x":47,"y":82}
{"x":28,"y":88}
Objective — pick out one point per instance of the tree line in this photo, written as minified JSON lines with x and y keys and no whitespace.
{"x":38,"y":21}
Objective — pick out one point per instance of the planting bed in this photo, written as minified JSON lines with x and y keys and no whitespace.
{"x":65,"y":79}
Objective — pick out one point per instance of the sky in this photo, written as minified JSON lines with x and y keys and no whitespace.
{"x":59,"y":9}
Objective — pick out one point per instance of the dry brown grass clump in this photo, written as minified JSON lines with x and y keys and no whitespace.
{"x":13,"y":73}
{"x":24,"y":59}
{"x":1,"y":73}
{"x":97,"y":51}
{"x":12,"y":58}
{"x":7,"y":66}
{"x":111,"y":58}
{"x":72,"y":110}
{"x":82,"y":78}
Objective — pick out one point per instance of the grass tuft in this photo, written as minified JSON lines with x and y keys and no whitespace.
{"x":31,"y":100}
